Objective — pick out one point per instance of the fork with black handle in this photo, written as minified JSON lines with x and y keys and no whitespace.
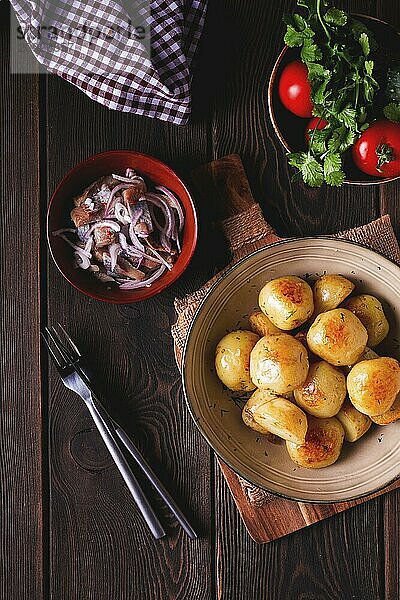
{"x":70,"y":350}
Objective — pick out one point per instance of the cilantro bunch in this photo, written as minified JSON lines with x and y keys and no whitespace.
{"x":336,"y":49}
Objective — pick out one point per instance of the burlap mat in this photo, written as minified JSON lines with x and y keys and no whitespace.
{"x":247,"y":232}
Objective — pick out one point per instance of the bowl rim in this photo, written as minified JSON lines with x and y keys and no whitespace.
{"x":197,"y":316}
{"x":278,"y":133}
{"x":193,"y":240}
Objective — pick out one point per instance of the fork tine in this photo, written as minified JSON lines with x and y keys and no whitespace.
{"x":62,"y":346}
{"x":51,"y":351}
{"x":72,"y":344}
{"x":54,"y":337}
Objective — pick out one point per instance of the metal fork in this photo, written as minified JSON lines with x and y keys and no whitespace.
{"x":69,"y":350}
{"x":72,"y":379}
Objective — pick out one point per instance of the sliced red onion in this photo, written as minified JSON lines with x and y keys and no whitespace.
{"x":128,"y":179}
{"x":135,"y":252}
{"x":155,"y":220}
{"x":114,"y":250}
{"x":64,"y":230}
{"x":75,"y":247}
{"x":106,"y":223}
{"x":131,"y":285}
{"x":165,"y":242}
{"x":165,"y":209}
{"x":135,"y":213}
{"x":117,"y":188}
{"x":89,"y":244}
{"x":81,"y":260}
{"x":121,"y":213}
{"x":174,"y":202}
{"x":160,"y":258}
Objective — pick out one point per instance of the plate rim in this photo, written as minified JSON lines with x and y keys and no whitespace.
{"x":197,"y":315}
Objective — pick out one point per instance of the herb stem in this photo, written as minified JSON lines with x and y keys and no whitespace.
{"x":322,"y":21}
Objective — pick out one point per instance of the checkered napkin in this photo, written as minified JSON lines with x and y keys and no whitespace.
{"x":245,"y":233}
{"x":134,"y":56}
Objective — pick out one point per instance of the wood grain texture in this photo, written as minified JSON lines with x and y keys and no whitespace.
{"x":21,"y":568}
{"x":100,"y":547}
{"x":307,"y":564}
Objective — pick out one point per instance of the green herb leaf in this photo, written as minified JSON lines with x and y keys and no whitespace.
{"x":293,"y":38}
{"x":364,"y":43}
{"x":296,"y":159}
{"x":319,"y":95}
{"x":315,"y":71}
{"x":312,"y":172}
{"x":333,"y":172}
{"x":310,"y":51}
{"x":369,"y":66}
{"x":392,"y":112}
{"x":334,"y":16}
{"x":348,"y":118}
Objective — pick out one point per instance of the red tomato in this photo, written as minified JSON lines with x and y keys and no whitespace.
{"x":295,"y":89}
{"x":377,"y":151}
{"x":315,"y":123}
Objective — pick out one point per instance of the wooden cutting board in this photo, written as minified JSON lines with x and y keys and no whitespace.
{"x":222,"y":186}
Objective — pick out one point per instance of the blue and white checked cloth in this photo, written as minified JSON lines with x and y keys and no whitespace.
{"x":134,"y":56}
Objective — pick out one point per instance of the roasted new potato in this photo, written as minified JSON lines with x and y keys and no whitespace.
{"x":287,"y":301}
{"x":370,"y":312}
{"x":232,"y":360}
{"x":390,"y":416}
{"x":355,"y":424}
{"x":374,"y":384}
{"x":323,"y":391}
{"x":338,"y":337}
{"x":329,"y":291}
{"x":261,"y":325}
{"x":278,"y":415}
{"x":368,"y":354}
{"x":322,"y":446}
{"x":252,"y":403}
{"x":278,"y":363}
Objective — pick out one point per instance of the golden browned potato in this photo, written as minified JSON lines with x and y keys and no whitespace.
{"x":368,"y":354}
{"x":261,"y":325}
{"x":278,"y":415}
{"x":374,"y":384}
{"x":322,"y":446}
{"x":330,"y":291}
{"x":302,"y":337}
{"x":278,"y":363}
{"x":252,"y":403}
{"x":338,"y":337}
{"x":287,"y":301}
{"x":370,"y":312}
{"x":323,"y":391}
{"x":390,"y":416}
{"x":355,"y":424}
{"x":232,"y":360}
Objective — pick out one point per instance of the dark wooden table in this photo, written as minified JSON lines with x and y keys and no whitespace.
{"x":69,"y":529}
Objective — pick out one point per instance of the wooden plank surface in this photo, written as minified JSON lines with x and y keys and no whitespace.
{"x":98,"y":546}
{"x":21,"y":519}
{"x":306,"y":564}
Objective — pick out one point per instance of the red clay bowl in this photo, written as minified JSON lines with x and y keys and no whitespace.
{"x":75,"y":181}
{"x":290,"y":129}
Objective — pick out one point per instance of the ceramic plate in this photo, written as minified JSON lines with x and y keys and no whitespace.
{"x":363,"y":467}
